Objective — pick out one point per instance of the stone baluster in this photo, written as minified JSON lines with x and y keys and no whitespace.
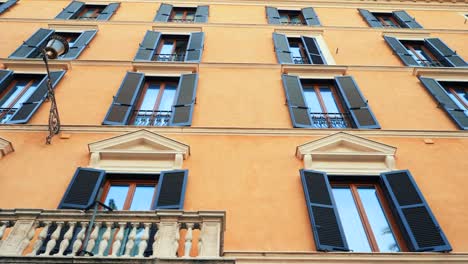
{"x":157,"y":241}
{"x":144,"y":240}
{"x":118,"y":239}
{"x":175,"y":247}
{"x":210,"y":239}
{"x":40,"y":239}
{"x":66,"y":238}
{"x":92,"y":238}
{"x":53,"y":239}
{"x":79,"y":239}
{"x":3,"y":227}
{"x":105,"y":239}
{"x":188,"y":240}
{"x":166,"y":240}
{"x":131,"y":239}
{"x":27,"y":240}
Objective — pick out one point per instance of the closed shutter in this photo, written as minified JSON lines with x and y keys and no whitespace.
{"x":5,"y":78}
{"x":201,"y":15}
{"x":121,"y":109}
{"x":282,"y":48}
{"x":444,"y":53}
{"x":83,"y":189}
{"x":195,"y":47}
{"x":80,"y":44}
{"x":323,"y":214}
{"x":71,"y":10}
{"x":148,"y":46}
{"x":313,"y":50}
{"x":298,"y":109}
{"x":163,"y":13}
{"x":405,"y":20}
{"x":401,"y":51}
{"x":356,"y":103}
{"x":182,"y":109}
{"x":310,"y":16}
{"x":171,"y":190}
{"x":273,"y":15}
{"x":32,"y":47}
{"x":417,"y":223}
{"x":108,"y":11}
{"x":6,"y":5}
{"x":370,"y":18}
{"x":450,"y":107}
{"x":30,"y":106}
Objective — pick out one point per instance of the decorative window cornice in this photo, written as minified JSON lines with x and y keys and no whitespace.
{"x":5,"y":147}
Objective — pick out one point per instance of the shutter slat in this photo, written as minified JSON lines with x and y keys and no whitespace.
{"x":80,"y":44}
{"x":282,"y":50}
{"x":298,"y":109}
{"x":5,"y":78}
{"x":370,"y":18}
{"x":406,"y":20}
{"x":310,"y":16}
{"x":444,"y":54}
{"x":163,"y":14}
{"x":83,"y":189}
{"x":5,"y":6}
{"x":401,"y":51}
{"x":273,"y":15}
{"x":201,"y":15}
{"x":182,"y":110}
{"x":313,"y":50}
{"x":171,"y":190}
{"x":71,"y":10}
{"x":31,"y":47}
{"x":195,"y":47}
{"x":108,"y":11}
{"x":148,"y":46}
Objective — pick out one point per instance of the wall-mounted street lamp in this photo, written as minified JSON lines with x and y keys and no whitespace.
{"x":55,"y":47}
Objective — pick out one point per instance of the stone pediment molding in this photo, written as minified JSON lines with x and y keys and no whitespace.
{"x":347,"y":154}
{"x":5,"y":147}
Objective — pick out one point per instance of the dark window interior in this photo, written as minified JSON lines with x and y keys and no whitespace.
{"x":291,"y":17}
{"x":182,"y":14}
{"x":387,"y":20}
{"x":171,"y":48}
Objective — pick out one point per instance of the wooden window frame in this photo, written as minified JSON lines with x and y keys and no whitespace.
{"x":131,"y":190}
{"x":19,"y":96}
{"x":184,"y":10}
{"x":173,"y":38}
{"x":381,"y":17}
{"x":97,"y":10}
{"x":302,"y":48}
{"x":289,"y":13}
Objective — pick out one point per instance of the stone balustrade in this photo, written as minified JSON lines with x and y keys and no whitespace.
{"x":128,"y":234}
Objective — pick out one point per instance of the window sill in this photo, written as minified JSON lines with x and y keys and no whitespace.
{"x":442,"y":73}
{"x":34,"y":65}
{"x":164,"y":68}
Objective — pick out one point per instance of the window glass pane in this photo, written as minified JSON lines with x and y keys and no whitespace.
{"x":116,"y":196}
{"x":312,"y":100}
{"x":167,"y":47}
{"x":284,"y":19}
{"x":150,"y":97}
{"x":190,"y":15}
{"x":178,"y":14}
{"x":329,"y":100}
{"x":142,"y":198}
{"x":295,"y":51}
{"x":295,"y":19}
{"x":167,"y":98}
{"x":376,"y":216}
{"x":350,"y":220}
{"x":19,"y":93}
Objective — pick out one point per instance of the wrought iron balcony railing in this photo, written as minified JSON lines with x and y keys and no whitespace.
{"x":6,"y":114}
{"x":300,"y":60}
{"x":151,"y":118}
{"x":181,"y":20}
{"x":170,"y":57}
{"x":430,"y":63}
{"x":330,"y":120}
{"x":291,"y":23}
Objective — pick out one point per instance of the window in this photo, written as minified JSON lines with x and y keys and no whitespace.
{"x":169,"y":13}
{"x":126,"y":194}
{"x":421,"y":54}
{"x":90,"y":12}
{"x":387,"y":20}
{"x":298,"y":50}
{"x":305,"y":16}
{"x":180,"y":14}
{"x":395,"y":19}
{"x":5,"y":5}
{"x":171,"y":48}
{"x":290,"y":17}
{"x":458,"y":92}
{"x":81,"y":11}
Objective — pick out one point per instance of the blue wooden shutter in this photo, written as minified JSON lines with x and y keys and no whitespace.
{"x":122,"y":106}
{"x":201,"y":15}
{"x":182,"y":110}
{"x":195,"y":47}
{"x":298,"y":110}
{"x":83,"y":189}
{"x":310,"y":16}
{"x":171,"y":190}
{"x":323,"y":214}
{"x":313,"y":50}
{"x":148,"y":46}
{"x":30,"y":106}
{"x":108,"y":11}
{"x":32,"y":47}
{"x":406,"y":20}
{"x":417,"y":223}
{"x":5,"y":78}
{"x":6,"y":5}
{"x":80,"y":44}
{"x":273,"y":15}
{"x":444,"y":53}
{"x":282,"y":48}
{"x":370,"y":18}
{"x":71,"y":10}
{"x":163,"y":13}
{"x":356,"y":103}
{"x":401,"y":51}
{"x":450,"y":107}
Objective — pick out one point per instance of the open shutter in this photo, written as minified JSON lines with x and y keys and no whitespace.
{"x":163,"y":13}
{"x":370,"y":18}
{"x":31,"y":47}
{"x":30,"y":106}
{"x":83,"y":189}
{"x":401,"y":51}
{"x":80,"y":44}
{"x":71,"y":10}
{"x":444,"y":53}
{"x":148,"y":46}
{"x":6,"y":5}
{"x":417,"y":223}
{"x":122,"y":106}
{"x":356,"y":103}
{"x":171,"y":190}
{"x":405,"y":20}
{"x":450,"y":107}
{"x":185,"y":99}
{"x":323,"y":214}
{"x":108,"y":11}
{"x":298,"y":109}
{"x":201,"y":15}
{"x":195,"y":47}
{"x":313,"y":50}
{"x":5,"y":78}
{"x":282,"y":48}
{"x":310,"y":16}
{"x":273,"y":15}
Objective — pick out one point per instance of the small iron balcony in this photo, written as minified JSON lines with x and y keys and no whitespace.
{"x":181,"y":20}
{"x":330,"y":120}
{"x":151,"y":118}
{"x":170,"y":57}
{"x":300,"y":60}
{"x":290,"y":23}
{"x":430,"y":63}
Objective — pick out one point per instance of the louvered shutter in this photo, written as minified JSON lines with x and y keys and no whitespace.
{"x":6,"y":5}
{"x":32,"y":47}
{"x":444,"y":54}
{"x":370,"y":18}
{"x":83,"y":189}
{"x":310,"y":16}
{"x":356,"y":103}
{"x":282,"y":48}
{"x":450,"y":107}
{"x":201,"y":15}
{"x":405,"y":20}
{"x":401,"y":51}
{"x":195,"y":47}
{"x":121,"y":109}
{"x":148,"y":46}
{"x":71,"y":10}
{"x":163,"y":13}
{"x":171,"y":190}
{"x":417,"y":223}
{"x":5,"y":78}
{"x":313,"y":50}
{"x":108,"y":11}
{"x":80,"y":44}
{"x":182,"y":109}
{"x":298,"y":109}
{"x":323,"y":214}
{"x":30,"y":106}
{"x":273,"y":15}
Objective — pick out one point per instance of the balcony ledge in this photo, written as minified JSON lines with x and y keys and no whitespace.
{"x":112,"y":260}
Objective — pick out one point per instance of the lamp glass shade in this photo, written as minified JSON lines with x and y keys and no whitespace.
{"x":55,"y":47}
